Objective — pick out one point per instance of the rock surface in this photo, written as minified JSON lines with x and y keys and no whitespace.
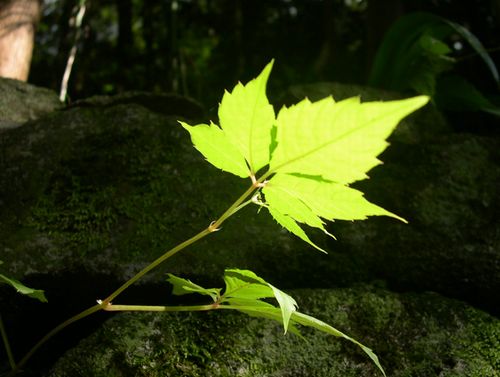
{"x":413,"y":334}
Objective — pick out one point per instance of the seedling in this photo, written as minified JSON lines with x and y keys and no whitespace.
{"x":300,"y":164}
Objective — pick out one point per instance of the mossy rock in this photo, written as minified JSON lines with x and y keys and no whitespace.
{"x":413,"y":334}
{"x":106,"y":186}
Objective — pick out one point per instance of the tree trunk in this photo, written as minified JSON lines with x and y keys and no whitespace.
{"x":18,"y":19}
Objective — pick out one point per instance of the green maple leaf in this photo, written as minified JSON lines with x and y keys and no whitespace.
{"x":339,"y":141}
{"x":321,"y":148}
{"x":314,"y":150}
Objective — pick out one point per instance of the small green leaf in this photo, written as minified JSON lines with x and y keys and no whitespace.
{"x":433,"y":46}
{"x":184,"y":287}
{"x":244,"y":291}
{"x":21,"y":288}
{"x":247,"y":118}
{"x":212,"y":143}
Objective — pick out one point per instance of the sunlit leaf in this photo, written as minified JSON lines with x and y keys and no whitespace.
{"x":337,"y":141}
{"x":247,"y":119}
{"x":261,"y":309}
{"x":183,"y":287}
{"x":212,"y":143}
{"x":297,"y":318}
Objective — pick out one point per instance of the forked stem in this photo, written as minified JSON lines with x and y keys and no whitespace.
{"x":106,"y":303}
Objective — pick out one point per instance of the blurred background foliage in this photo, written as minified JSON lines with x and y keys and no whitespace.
{"x":199,"y":47}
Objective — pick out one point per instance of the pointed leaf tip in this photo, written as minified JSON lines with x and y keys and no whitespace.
{"x":287,"y":304}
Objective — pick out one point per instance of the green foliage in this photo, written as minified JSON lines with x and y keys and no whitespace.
{"x":415,"y":54}
{"x":244,"y":292}
{"x":313,"y":151}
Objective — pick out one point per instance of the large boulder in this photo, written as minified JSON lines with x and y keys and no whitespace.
{"x":413,"y":334}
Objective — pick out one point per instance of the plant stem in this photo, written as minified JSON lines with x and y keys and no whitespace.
{"x":106,"y":303}
{"x":149,"y":308}
{"x":7,"y":345}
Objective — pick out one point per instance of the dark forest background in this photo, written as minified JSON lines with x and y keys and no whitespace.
{"x":198,"y":48}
